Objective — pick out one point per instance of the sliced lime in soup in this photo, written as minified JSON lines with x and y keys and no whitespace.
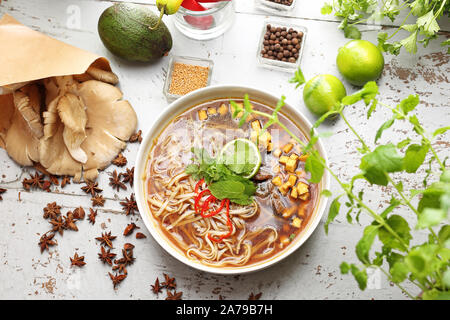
{"x":242,"y":157}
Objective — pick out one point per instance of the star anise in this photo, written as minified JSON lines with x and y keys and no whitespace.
{"x":253,"y":296}
{"x":1,"y":192}
{"x":34,"y":182}
{"x":136,"y":137}
{"x":117,"y":278}
{"x":129,"y":205}
{"x":46,"y":241}
{"x":115,"y":182}
{"x":52,"y":210}
{"x":92,"y":188}
{"x":92,"y":215}
{"x":169,"y":283}
{"x":140,"y":235}
{"x":77,"y":260}
{"x":46,"y":185}
{"x":174,"y":296}
{"x":58,"y":225}
{"x":106,"y":239}
{"x":128,"y":176}
{"x":98,"y":200}
{"x":129,"y":229}
{"x":120,"y":160}
{"x":128,"y":246}
{"x":106,"y":256}
{"x":69,"y":221}
{"x":156,"y":288}
{"x":65,"y":180}
{"x":79,"y":213}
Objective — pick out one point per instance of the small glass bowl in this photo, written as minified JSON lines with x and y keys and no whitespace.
{"x":186,"y":60}
{"x":275,"y":64}
{"x":274,"y":7}
{"x":205,"y":25}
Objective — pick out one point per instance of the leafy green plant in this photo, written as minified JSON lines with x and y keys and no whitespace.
{"x":425,"y":28}
{"x":425,"y":265}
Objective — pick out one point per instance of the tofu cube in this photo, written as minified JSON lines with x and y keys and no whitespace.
{"x":292,"y":180}
{"x":304,"y":157}
{"x":212,"y":111}
{"x":304,"y":196}
{"x":223,"y":109}
{"x":277,"y":153}
{"x":297,"y":222}
{"x":288,"y":212}
{"x":287,"y":148}
{"x":256,"y":125}
{"x":294,"y":193}
{"x":293,"y":156}
{"x":276,"y":169}
{"x":270,"y":147}
{"x":284,"y":160}
{"x":302,"y":188}
{"x":284,"y":188}
{"x":277,"y":181}
{"x":301,"y":211}
{"x":202,"y":115}
{"x":291,"y":165}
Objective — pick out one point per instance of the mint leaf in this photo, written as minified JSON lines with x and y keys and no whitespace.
{"x":314,"y":166}
{"x":440,"y":131}
{"x":399,"y":271}
{"x":344,"y":267}
{"x":360,"y":276}
{"x":298,"y":78}
{"x":430,"y":217}
{"x":382,"y":160}
{"x":383,"y":127}
{"x":409,"y":104}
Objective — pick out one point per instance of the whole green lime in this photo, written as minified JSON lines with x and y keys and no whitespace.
{"x":360,"y":61}
{"x":322,"y":92}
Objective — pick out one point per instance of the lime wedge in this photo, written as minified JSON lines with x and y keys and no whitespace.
{"x":242,"y":157}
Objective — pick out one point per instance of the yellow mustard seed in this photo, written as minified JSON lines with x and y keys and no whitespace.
{"x":186,"y":78}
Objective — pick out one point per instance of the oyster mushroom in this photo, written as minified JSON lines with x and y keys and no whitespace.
{"x":22,"y":137}
{"x":7,"y":107}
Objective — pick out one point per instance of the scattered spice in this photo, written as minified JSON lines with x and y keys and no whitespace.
{"x":77,"y":260}
{"x":117,"y":278}
{"x":120,"y":160}
{"x":122,"y":263}
{"x":174,"y":296}
{"x":169,"y":283}
{"x":79,"y":213}
{"x":140,"y":235}
{"x":156,"y":288}
{"x":115,"y":182}
{"x":128,"y":176}
{"x":129,"y":229}
{"x":92,"y":188}
{"x":34,"y":182}
{"x":65,"y":181}
{"x":253,"y":296}
{"x":128,"y":246}
{"x":69,"y":221}
{"x":281,"y":44}
{"x":46,"y":241}
{"x":283,"y":2}
{"x":46,"y":185}
{"x":106,"y":256}
{"x":58,"y":225}
{"x":136,"y":137}
{"x":106,"y":239}
{"x":129,"y":205}
{"x":98,"y":200}
{"x":187,"y":77}
{"x":52,"y":210}
{"x":1,"y":192}
{"x":92,"y":215}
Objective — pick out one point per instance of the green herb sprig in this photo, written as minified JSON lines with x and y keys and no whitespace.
{"x":424,"y":30}
{"x":426,"y":265}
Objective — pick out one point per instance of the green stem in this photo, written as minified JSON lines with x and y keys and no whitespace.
{"x":397,"y":284}
{"x":366,"y":148}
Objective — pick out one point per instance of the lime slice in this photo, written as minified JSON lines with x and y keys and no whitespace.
{"x":242,"y":157}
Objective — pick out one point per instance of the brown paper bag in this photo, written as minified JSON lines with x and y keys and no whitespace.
{"x":27,"y":55}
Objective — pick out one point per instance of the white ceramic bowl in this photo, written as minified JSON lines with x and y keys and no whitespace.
{"x":176,"y":108}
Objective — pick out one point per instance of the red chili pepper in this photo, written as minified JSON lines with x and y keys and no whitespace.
{"x":198,"y":198}
{"x":198,"y":185}
{"x":222,"y":203}
{"x":229,"y":224}
{"x":205,"y":206}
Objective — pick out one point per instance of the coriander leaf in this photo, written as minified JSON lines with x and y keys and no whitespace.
{"x":298,"y":78}
{"x":367,"y":93}
{"x":352,"y":32}
{"x":333,"y":212}
{"x":382,"y":160}
{"x":414,"y":157}
{"x":428,"y":23}
{"x":401,"y":228}
{"x":410,"y":43}
{"x":365,"y":244}
{"x":326,"y":9}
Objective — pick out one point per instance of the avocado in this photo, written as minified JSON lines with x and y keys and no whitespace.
{"x":125,"y":30}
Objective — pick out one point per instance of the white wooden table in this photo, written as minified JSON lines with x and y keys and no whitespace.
{"x":310,"y":273}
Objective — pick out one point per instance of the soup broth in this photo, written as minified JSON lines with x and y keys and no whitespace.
{"x":284,"y":199}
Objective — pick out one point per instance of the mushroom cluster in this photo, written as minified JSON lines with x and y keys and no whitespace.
{"x":72,"y":125}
